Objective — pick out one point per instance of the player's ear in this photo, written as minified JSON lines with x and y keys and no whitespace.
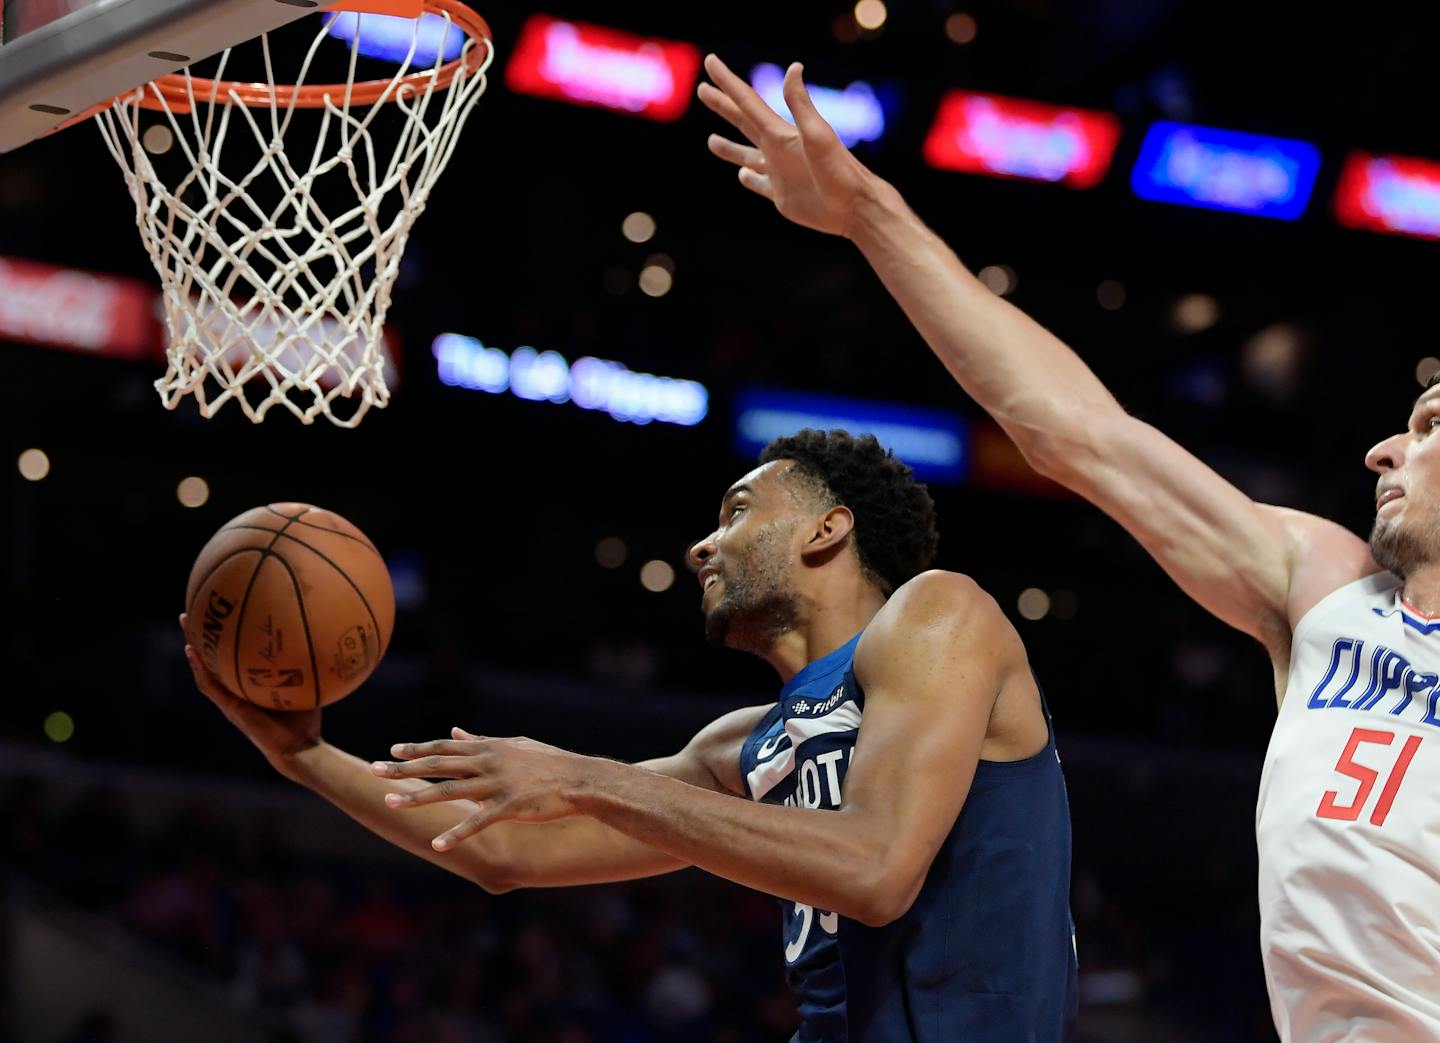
{"x":829,"y":531}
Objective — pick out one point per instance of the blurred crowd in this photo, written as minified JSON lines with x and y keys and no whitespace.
{"x":333,"y":951}
{"x":340,"y":952}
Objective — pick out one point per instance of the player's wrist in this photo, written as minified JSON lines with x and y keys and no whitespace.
{"x":301,"y":761}
{"x":592,"y":785}
{"x":876,"y":207}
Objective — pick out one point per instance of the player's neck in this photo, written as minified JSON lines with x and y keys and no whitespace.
{"x":826,"y":620}
{"x":1422,"y":589}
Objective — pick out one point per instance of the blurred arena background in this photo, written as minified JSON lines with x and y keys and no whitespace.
{"x":160,"y":884}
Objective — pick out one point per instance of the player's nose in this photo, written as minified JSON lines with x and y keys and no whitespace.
{"x":1388,"y":454}
{"x":700,"y":552}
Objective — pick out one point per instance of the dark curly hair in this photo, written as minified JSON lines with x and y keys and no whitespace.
{"x":895,"y":531}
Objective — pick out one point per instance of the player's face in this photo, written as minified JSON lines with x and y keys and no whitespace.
{"x":745,"y":565}
{"x":1406,"y":535}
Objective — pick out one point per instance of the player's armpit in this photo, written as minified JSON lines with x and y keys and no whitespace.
{"x":932,"y":664}
{"x":712,"y":758}
{"x":1237,"y":558}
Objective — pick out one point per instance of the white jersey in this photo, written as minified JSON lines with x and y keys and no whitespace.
{"x":1348,"y":825}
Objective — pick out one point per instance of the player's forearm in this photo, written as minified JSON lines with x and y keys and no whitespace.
{"x":827,"y":859}
{"x":347,"y":782}
{"x":1035,"y":386}
{"x":506,"y":856}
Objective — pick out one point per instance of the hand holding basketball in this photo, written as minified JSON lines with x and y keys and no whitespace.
{"x":805,"y":170}
{"x":279,"y":736}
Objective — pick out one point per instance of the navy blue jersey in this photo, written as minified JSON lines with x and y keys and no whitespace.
{"x":986,"y":954}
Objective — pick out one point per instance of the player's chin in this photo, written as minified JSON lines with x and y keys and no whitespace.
{"x":717,"y":626}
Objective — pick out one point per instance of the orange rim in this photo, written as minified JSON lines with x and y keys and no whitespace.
{"x":177,"y":90}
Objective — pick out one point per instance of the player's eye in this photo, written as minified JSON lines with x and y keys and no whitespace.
{"x":1431,"y":421}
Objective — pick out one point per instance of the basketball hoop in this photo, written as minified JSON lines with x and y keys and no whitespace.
{"x":263,"y":284}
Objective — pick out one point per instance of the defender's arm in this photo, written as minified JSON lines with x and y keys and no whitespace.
{"x":1257,"y":568}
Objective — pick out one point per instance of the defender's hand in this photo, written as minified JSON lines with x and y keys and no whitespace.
{"x":518,"y":779}
{"x":278,"y":735}
{"x":805,"y":170}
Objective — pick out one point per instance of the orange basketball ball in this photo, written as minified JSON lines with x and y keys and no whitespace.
{"x":290,"y":606}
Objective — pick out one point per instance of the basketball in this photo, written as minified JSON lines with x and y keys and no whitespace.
{"x":290,"y":606}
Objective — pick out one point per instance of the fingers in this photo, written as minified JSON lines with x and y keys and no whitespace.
{"x":431,"y":767}
{"x":751,"y":106}
{"x":757,"y":183}
{"x":812,"y":126}
{"x":204,"y":679}
{"x":439,"y":747}
{"x":717,"y":102}
{"x":440,"y":793}
{"x":734,"y":152}
{"x":466,"y":829}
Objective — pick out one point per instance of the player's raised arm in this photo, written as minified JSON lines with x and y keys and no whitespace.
{"x":1235,"y":557}
{"x":574,"y":850}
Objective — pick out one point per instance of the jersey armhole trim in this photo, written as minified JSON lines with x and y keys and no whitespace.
{"x":1366,"y":585}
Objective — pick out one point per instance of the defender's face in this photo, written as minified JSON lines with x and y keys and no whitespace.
{"x":1407,"y":496}
{"x":744,"y":565}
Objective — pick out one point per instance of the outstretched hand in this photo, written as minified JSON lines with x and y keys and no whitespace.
{"x":517,"y":779}
{"x":279,"y":735}
{"x":805,"y":170}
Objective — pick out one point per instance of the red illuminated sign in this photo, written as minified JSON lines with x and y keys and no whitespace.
{"x":592,"y":65}
{"x":1010,"y":137}
{"x":65,"y":308}
{"x":1396,"y":194}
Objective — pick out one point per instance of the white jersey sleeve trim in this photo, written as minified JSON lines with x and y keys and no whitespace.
{"x":1375,"y":583}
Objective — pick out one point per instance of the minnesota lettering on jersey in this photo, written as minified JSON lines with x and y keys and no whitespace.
{"x":808,"y":790}
{"x":1391,"y":683}
{"x":818,"y":782}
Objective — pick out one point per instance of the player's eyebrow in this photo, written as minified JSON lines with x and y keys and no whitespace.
{"x":734,"y":491}
{"x":1427,"y":396}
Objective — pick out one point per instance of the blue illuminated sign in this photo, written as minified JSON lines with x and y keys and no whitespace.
{"x":390,"y":38}
{"x":855,"y":112}
{"x":1225,"y":170}
{"x":931,"y":441}
{"x":590,"y":383}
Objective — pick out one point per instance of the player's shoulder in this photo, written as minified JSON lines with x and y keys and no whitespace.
{"x":1312,"y":534}
{"x":934,"y":607}
{"x":1324,"y":556}
{"x":937,"y":596}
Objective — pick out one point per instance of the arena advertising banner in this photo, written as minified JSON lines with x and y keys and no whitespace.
{"x":595,"y":65}
{"x":1395,"y":194}
{"x":80,"y":311}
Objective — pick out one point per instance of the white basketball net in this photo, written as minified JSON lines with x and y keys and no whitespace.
{"x":263,"y":286}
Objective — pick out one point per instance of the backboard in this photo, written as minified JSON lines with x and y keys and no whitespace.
{"x":61,"y":57}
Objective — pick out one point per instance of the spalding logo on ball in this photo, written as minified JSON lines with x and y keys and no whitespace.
{"x":290,"y":606}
